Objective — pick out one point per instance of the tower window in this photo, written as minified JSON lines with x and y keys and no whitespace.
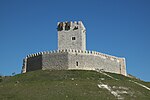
{"x":77,"y":64}
{"x":73,"y":38}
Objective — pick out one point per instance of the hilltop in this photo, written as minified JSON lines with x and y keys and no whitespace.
{"x":72,"y":85}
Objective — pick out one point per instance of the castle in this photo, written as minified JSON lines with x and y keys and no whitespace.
{"x":72,"y":54}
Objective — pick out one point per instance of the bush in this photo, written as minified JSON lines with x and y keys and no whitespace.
{"x":0,"y":78}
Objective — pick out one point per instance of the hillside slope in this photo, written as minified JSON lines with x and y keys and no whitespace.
{"x":72,"y":85}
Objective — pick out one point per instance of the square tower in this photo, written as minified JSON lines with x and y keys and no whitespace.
{"x":71,"y":35}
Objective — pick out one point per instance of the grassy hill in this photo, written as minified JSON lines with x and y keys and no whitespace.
{"x":72,"y":85}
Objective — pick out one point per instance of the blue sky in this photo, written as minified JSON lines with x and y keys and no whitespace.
{"x":117,"y":27}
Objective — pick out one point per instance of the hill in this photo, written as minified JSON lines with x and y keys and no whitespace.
{"x":72,"y":85}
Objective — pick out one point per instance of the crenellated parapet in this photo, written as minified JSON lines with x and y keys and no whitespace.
{"x":59,"y":57}
{"x":66,"y":26}
{"x":73,"y":51}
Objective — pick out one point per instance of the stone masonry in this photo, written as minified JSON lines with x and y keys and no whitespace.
{"x":71,"y":37}
{"x":72,"y":54}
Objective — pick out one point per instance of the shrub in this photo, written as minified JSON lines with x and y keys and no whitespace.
{"x":0,"y":78}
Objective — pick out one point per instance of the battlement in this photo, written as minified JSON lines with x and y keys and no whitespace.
{"x":73,"y":51}
{"x":67,"y":59}
{"x":66,"y":26}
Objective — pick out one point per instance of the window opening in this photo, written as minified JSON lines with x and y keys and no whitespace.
{"x":73,"y":38}
{"x":77,"y":64}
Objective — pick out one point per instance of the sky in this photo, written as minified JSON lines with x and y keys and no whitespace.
{"x":117,"y":27}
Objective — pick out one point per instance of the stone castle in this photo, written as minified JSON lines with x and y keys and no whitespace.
{"x":72,"y":54}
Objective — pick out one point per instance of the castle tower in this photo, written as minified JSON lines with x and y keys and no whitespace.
{"x":71,"y":35}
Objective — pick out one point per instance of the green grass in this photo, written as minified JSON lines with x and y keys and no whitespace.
{"x":69,"y":85}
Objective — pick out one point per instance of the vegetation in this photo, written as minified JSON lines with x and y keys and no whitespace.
{"x":72,"y":85}
{"x":0,"y":78}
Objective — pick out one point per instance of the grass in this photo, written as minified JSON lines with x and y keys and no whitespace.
{"x":69,"y":85}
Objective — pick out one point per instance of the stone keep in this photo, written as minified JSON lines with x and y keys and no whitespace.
{"x":72,"y":54}
{"x":71,"y":36}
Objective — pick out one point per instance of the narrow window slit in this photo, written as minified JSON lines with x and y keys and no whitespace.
{"x":77,"y":64}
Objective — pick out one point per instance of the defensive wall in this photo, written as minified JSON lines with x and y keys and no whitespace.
{"x":74,"y":59}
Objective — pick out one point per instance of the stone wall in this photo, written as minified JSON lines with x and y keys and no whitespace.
{"x":24,"y":66}
{"x":92,"y":62}
{"x":34,"y":63}
{"x":65,"y":36}
{"x":123,"y":66}
{"x":75,"y":59}
{"x":57,"y":61}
